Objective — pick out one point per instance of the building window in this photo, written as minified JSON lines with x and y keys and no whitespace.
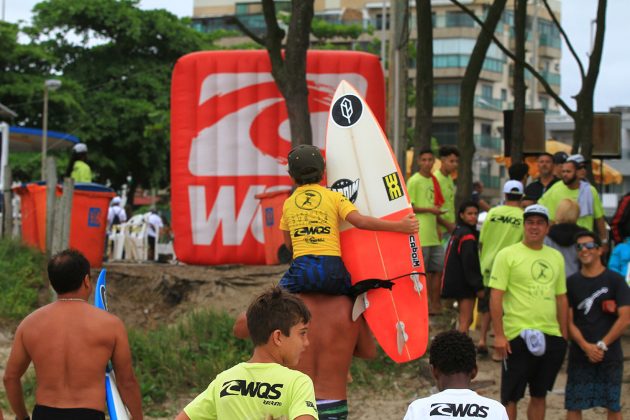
{"x":544,"y":102}
{"x":379,"y":21}
{"x":446,"y":94}
{"x":445,"y":133}
{"x":486,"y":91}
{"x":458,"y":20}
{"x":504,"y":95}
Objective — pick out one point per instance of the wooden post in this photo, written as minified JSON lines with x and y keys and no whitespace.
{"x":7,"y":208}
{"x":51,"y":187}
{"x":63,"y":213}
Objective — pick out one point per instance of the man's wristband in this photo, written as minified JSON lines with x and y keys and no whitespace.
{"x":604,"y":241}
{"x":601,"y":345}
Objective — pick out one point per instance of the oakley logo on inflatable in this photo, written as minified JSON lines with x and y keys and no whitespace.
{"x":230,"y":138}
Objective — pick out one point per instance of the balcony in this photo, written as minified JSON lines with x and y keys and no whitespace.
{"x":484,"y":141}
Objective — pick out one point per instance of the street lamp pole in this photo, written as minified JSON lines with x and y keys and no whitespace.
{"x":50,"y":84}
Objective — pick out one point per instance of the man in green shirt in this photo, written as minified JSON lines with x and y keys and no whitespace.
{"x":529,"y":315}
{"x":449,"y":161}
{"x":265,"y":386}
{"x":78,"y":169}
{"x":591,"y":209}
{"x":427,"y":201}
{"x":503,"y":227}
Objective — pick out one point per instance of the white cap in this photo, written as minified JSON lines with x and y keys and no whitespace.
{"x":578,"y":159}
{"x":116,"y":200}
{"x":536,"y":210}
{"x":513,"y":187}
{"x":80,"y":148}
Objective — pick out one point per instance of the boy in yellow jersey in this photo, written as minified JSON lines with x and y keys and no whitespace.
{"x":449,"y":159}
{"x":264,"y":387}
{"x":310,"y":221}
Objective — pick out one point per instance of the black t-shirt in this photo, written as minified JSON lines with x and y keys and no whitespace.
{"x":536,"y":189}
{"x":586,"y":295}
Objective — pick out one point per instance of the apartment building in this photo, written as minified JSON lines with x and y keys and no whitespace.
{"x":454,"y":34}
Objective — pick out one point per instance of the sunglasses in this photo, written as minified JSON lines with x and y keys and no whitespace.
{"x":587,"y":245}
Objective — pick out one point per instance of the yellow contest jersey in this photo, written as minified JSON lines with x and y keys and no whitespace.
{"x":312,"y":216}
{"x":255,"y":391}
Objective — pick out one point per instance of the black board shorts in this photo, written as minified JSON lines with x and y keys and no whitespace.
{"x":42,"y":412}
{"x":522,"y":368}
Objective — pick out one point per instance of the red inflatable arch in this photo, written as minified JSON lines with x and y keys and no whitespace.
{"x":230,"y":138}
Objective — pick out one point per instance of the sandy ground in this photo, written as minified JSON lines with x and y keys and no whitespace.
{"x":147,"y":295}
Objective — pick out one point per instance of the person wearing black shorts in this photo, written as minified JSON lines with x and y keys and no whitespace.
{"x":528,"y":303}
{"x":521,"y":368}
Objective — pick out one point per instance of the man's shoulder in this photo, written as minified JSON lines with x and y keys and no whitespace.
{"x":552,"y":252}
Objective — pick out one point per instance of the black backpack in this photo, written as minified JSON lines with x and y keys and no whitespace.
{"x":620,"y":225}
{"x":116,"y":219}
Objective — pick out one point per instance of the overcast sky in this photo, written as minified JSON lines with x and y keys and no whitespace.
{"x":613,"y":86}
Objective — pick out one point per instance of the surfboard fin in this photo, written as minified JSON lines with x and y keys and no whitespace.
{"x":417,"y":284}
{"x":361,"y":303}
{"x":401,"y":336}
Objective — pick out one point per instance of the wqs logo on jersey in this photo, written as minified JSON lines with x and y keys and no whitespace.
{"x":347,"y":187}
{"x":347,"y":110}
{"x":251,"y":389}
{"x":459,"y":410}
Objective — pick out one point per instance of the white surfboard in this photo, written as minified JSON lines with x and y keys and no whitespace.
{"x":361,"y":165}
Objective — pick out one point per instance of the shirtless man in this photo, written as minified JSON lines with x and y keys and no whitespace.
{"x":70,"y":342}
{"x":334,"y":338}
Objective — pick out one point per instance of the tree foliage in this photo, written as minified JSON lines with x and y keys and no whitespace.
{"x":115,"y":62}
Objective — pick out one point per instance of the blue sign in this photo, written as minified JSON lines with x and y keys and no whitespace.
{"x":93,"y":217}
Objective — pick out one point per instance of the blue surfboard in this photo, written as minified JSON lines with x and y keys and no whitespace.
{"x":115,"y":406}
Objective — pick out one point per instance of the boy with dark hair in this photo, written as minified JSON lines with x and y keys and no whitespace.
{"x":427,"y":201}
{"x":453,"y":365}
{"x":70,"y":343}
{"x":310,"y":220}
{"x":519,"y":172}
{"x":264,"y":386}
{"x":462,"y":279}
{"x":599,"y":312}
{"x":449,"y":159}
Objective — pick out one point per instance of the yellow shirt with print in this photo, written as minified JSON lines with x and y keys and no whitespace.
{"x":421,"y":193}
{"x":531,"y":280}
{"x":255,"y":391}
{"x":448,"y":192}
{"x":312,"y":215}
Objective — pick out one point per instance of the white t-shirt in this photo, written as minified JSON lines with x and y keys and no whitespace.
{"x":457,"y":403}
{"x":155,"y":221}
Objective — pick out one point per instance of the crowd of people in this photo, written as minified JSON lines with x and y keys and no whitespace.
{"x":535,"y":273}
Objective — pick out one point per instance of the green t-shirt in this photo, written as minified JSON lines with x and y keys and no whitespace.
{"x":255,"y":391}
{"x":81,"y":172}
{"x":503,"y":227}
{"x":531,"y":280}
{"x":448,"y":192}
{"x":559,"y":191}
{"x":420,"y":189}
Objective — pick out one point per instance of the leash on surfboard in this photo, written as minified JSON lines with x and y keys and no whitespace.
{"x":363,"y":286}
{"x":360,"y":289}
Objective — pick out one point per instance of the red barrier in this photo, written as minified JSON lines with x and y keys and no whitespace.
{"x":88,"y":219}
{"x":271,"y":204}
